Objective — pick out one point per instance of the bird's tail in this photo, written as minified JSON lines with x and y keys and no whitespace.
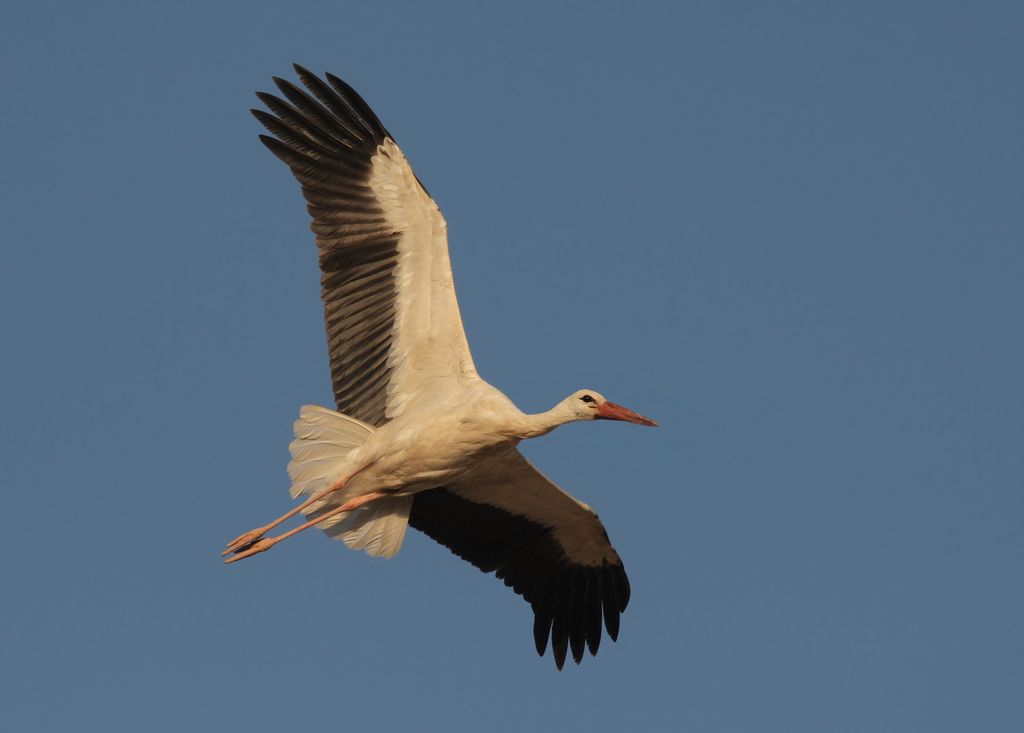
{"x":324,"y":439}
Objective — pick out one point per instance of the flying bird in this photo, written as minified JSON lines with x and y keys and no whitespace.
{"x":418,"y":438}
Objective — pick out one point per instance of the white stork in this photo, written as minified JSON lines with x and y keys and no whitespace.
{"x":419,"y":438}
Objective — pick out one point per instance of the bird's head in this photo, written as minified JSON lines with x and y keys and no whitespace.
{"x":586,"y":404}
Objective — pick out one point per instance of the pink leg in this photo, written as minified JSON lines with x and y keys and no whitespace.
{"x":266,"y":544}
{"x":245,"y":540}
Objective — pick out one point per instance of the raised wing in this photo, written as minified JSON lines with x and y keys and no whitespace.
{"x":548,"y":547}
{"x":393,"y":326}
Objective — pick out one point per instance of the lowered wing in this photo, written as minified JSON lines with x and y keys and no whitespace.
{"x":509,"y":519}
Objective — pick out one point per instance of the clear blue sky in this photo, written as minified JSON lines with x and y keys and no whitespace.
{"x":792,"y":232}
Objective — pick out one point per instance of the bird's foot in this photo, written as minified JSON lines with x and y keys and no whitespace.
{"x":244,"y":541}
{"x":252,"y":548}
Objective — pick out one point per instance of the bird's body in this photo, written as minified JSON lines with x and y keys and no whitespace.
{"x":419,"y":438}
{"x":443,"y":442}
{"x":437,"y":444}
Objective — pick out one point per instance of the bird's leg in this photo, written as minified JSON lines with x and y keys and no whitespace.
{"x":245,"y":540}
{"x":265,"y":544}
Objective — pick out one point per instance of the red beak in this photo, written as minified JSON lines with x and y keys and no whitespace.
{"x":611,"y":411}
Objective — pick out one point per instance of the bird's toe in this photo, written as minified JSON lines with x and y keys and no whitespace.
{"x":243,"y":541}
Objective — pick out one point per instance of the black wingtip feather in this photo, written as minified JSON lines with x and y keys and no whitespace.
{"x":611,"y":607}
{"x":625,"y":590}
{"x":559,"y":642}
{"x":278,"y":148}
{"x":369,"y":118}
{"x":577,"y":625}
{"x":541,"y":630}
{"x":593,"y":611}
{"x":559,"y":630}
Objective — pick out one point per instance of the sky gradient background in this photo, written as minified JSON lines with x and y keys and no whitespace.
{"x":791,"y":232}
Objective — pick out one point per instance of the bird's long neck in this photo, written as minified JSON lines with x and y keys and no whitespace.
{"x":543,"y":423}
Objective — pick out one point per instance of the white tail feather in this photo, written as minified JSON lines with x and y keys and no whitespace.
{"x":378,"y":528}
{"x":323,"y":441}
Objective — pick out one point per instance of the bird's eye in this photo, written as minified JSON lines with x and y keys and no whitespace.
{"x":588,"y":399}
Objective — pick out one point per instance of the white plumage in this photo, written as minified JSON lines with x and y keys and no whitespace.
{"x":419,"y":437}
